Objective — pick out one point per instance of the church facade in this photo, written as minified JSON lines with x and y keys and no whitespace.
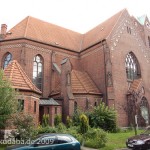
{"x":110,"y":63}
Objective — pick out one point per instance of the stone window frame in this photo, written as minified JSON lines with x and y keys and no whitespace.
{"x":132,"y":66}
{"x":6,"y":61}
{"x":38,"y":65}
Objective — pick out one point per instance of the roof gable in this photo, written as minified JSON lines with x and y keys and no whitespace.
{"x":18,"y":77}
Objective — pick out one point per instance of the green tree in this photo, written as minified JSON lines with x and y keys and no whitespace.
{"x":8,"y":100}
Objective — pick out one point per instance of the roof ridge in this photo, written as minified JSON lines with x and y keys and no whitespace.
{"x":32,"y":86}
{"x":12,"y":69}
{"x":117,"y":21}
{"x":26,"y":26}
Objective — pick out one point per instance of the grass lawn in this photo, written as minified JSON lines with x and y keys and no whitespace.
{"x":117,"y":140}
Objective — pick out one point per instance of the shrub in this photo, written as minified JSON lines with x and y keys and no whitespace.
{"x":61,"y":127}
{"x":84,"y":124}
{"x":68,"y":122}
{"x":57,"y":120}
{"x":47,"y":129}
{"x":25,"y":126}
{"x":95,"y":138}
{"x":45,"y":120}
{"x":104,"y":117}
{"x":76,"y":117}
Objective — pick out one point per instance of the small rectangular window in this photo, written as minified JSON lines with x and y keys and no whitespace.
{"x":55,"y":110}
{"x":20,"y":105}
{"x":48,"y":110}
{"x":35,"y":106}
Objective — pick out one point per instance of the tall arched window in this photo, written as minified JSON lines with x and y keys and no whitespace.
{"x":132,"y":67}
{"x":7,"y":60}
{"x":38,"y":71}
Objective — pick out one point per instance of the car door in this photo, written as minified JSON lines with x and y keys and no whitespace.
{"x":64,"y":143}
{"x":44,"y":143}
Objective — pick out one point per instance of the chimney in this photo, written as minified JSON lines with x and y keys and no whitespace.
{"x":3,"y":31}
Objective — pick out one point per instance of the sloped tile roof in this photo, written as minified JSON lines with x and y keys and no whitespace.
{"x":18,"y":77}
{"x":101,"y":31}
{"x":35,"y":29}
{"x":50,"y":101}
{"x":45,"y":32}
{"x":82,"y":83}
{"x":135,"y":85}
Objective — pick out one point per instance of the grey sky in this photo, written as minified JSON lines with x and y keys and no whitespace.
{"x":77,"y":15}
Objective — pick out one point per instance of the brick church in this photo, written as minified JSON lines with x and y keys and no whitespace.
{"x":57,"y":70}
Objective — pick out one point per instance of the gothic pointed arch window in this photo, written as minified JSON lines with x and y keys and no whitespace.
{"x":132,"y":67}
{"x":7,"y":59}
{"x":38,"y":71}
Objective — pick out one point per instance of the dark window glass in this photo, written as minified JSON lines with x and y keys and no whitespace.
{"x":34,"y":106}
{"x":63,"y":139}
{"x":87,"y":104}
{"x":55,"y":110}
{"x":95,"y":104}
{"x":132,"y":67}
{"x":20,"y":105}
{"x":149,"y":40}
{"x":38,"y":71}
{"x":7,"y":60}
{"x":48,"y":110}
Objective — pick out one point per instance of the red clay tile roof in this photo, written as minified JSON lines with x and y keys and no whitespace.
{"x":135,"y":85}
{"x":45,"y":32}
{"x":18,"y":77}
{"x":100,"y":32}
{"x":82,"y":83}
{"x":35,"y":29}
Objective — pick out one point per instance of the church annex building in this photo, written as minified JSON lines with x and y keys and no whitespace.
{"x":57,"y":70}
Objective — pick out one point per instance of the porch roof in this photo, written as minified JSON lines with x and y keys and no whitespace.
{"x":51,"y":101}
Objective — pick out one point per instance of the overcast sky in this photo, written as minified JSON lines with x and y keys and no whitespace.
{"x":77,"y":15}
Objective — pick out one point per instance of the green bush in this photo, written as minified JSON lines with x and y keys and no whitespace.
{"x":76,"y":117}
{"x":61,"y":127}
{"x":47,"y":129}
{"x":25,"y":126}
{"x":45,"y":120}
{"x":103,"y":117}
{"x":68,"y":122}
{"x":95,"y":138}
{"x":84,"y":123}
{"x":57,"y":120}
